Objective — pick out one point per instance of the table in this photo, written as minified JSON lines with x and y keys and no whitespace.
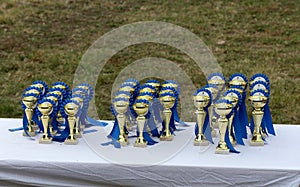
{"x":24,"y":162}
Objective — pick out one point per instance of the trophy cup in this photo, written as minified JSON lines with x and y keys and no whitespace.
{"x":30,"y":104}
{"x":168,"y":101}
{"x":127,"y":96}
{"x":201,"y":100}
{"x":223,"y":107}
{"x":257,"y":101}
{"x":121,"y":107}
{"x":141,"y":108}
{"x":46,"y":108}
{"x":71,"y":110}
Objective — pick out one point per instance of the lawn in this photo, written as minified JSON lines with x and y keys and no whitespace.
{"x":46,"y":40}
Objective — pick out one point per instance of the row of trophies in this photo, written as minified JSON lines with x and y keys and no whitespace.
{"x":147,"y":105}
{"x":227,"y":109}
{"x":219,"y":104}
{"x":59,"y":113}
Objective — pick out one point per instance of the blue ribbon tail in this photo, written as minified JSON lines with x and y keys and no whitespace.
{"x":231,"y":148}
{"x":89,"y":131}
{"x":156,"y":110}
{"x":64,"y":134}
{"x":95,"y":122}
{"x":268,"y":119}
{"x":15,"y":129}
{"x":177,"y":119}
{"x":172,"y":122}
{"x":25,"y":124}
{"x":252,"y":125}
{"x":151,"y":124}
{"x":238,"y":130}
{"x":206,"y":127}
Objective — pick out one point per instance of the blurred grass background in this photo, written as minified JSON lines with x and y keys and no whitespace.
{"x":46,"y":39}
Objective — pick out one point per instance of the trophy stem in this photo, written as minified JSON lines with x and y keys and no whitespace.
{"x":200,"y":139}
{"x":71,"y":140}
{"x":121,"y":122}
{"x":167,"y":134}
{"x":45,"y":138}
{"x":230,"y":130}
{"x":257,"y":136}
{"x":141,"y":142}
{"x":29,"y":114}
{"x":222,"y":147}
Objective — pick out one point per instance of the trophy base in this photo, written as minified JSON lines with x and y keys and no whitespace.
{"x":257,"y":143}
{"x":166,"y":138}
{"x":71,"y":141}
{"x":200,"y":140}
{"x":257,"y":140}
{"x":201,"y":143}
{"x":222,"y":151}
{"x":29,"y":133}
{"x":45,"y":140}
{"x":123,"y":141}
{"x":222,"y":148}
{"x":140,"y":142}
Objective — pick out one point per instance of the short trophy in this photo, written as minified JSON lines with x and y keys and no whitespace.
{"x":141,"y":108}
{"x":121,"y":107}
{"x":257,"y":100}
{"x":202,"y":100}
{"x":29,"y":102}
{"x":223,"y":107}
{"x":168,"y":101}
{"x":71,"y":109}
{"x":45,"y":107}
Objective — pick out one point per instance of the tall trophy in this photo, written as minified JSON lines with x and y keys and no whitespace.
{"x":29,"y":101}
{"x":121,"y":106}
{"x":202,"y":100}
{"x":71,"y":109}
{"x":141,"y":107}
{"x":257,"y":100}
{"x":223,"y":107}
{"x":46,"y":108}
{"x":168,"y":101}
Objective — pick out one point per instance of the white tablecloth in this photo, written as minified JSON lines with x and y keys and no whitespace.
{"x":178,"y":163}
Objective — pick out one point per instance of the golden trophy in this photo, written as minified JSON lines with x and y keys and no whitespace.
{"x":71,"y":110}
{"x":258,"y":101}
{"x":168,"y":102}
{"x":30,"y":103}
{"x":141,"y":109}
{"x":222,"y":108}
{"x":201,"y":100}
{"x":121,"y":107}
{"x":45,"y":108}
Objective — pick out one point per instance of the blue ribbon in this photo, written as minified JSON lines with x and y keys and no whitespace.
{"x":267,"y":118}
{"x":95,"y":122}
{"x":238,"y":128}
{"x":227,"y":140}
{"x":152,"y":125}
{"x":146,"y":136}
{"x":114,"y":135}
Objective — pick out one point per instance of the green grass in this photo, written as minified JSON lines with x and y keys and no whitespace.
{"x":46,"y":39}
